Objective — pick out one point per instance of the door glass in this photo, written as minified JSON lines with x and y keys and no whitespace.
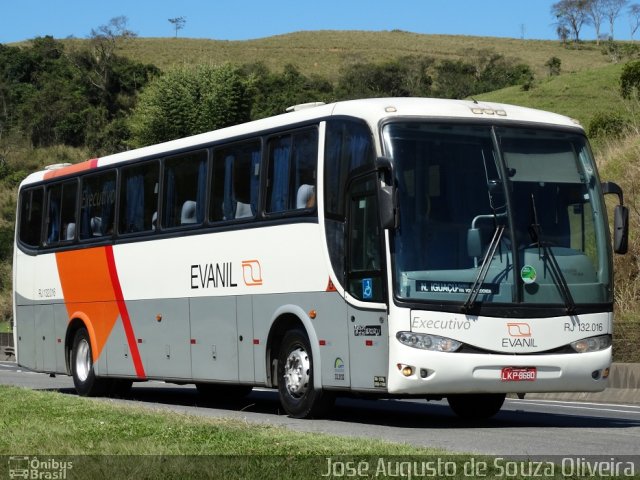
{"x":365,"y":255}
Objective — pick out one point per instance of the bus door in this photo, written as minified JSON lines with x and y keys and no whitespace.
{"x":368,"y":327}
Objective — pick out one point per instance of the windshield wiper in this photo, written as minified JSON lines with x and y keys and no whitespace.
{"x":484,"y":269}
{"x":556,"y":272}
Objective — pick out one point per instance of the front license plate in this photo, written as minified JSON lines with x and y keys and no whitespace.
{"x":519,"y":374}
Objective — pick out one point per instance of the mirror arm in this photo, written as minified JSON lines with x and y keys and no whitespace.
{"x":613,"y":189}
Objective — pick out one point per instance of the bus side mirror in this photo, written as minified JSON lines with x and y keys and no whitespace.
{"x":387,"y":201}
{"x":620,"y":218}
{"x":620,"y":229}
{"x":474,"y":242}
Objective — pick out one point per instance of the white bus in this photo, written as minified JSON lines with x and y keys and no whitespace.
{"x":395,"y":247}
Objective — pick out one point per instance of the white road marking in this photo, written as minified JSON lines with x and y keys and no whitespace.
{"x":576,"y":406}
{"x":575,"y":402}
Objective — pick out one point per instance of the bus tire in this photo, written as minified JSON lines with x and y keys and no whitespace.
{"x":84,"y":377}
{"x":295,"y":379}
{"x":478,"y":406}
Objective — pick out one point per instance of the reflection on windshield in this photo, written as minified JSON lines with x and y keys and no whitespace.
{"x":458,"y":185}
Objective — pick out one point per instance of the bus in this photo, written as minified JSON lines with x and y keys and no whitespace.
{"x":395,"y":248}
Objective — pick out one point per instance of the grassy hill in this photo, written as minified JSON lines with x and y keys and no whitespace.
{"x":324,"y":52}
{"x":579,"y":95}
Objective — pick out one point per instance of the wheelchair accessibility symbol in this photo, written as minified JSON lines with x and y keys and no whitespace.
{"x":367,"y":288}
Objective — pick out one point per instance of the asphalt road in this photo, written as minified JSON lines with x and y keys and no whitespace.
{"x":531,"y":428}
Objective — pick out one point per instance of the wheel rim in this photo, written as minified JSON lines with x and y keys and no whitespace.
{"x":296,"y":372}
{"x":83,"y":360}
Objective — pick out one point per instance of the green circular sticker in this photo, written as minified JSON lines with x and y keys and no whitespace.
{"x":528,"y":274}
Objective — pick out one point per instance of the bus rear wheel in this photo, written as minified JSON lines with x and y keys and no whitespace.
{"x":84,"y":377}
{"x":295,"y":379}
{"x":479,"y":406}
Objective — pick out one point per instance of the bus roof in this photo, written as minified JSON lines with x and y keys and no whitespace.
{"x":370,"y":110}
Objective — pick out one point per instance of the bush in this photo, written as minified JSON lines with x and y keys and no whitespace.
{"x":404,"y":77}
{"x":630,"y":80}
{"x":554,"y":64}
{"x":609,"y":125}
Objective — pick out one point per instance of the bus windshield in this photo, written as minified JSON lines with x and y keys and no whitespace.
{"x":497,"y":215}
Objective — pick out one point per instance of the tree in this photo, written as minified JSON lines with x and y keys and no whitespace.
{"x":455,"y":79}
{"x":495,"y":71}
{"x":634,"y":18}
{"x":185,"y":102}
{"x":612,"y":10}
{"x":563,"y":33}
{"x":178,"y":23}
{"x":369,"y":80}
{"x":571,"y":14}
{"x":596,"y":12}
{"x":273,"y":92}
{"x":104,"y":41}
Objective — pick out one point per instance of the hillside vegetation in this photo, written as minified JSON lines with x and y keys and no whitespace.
{"x":324,"y":66}
{"x":580,"y":95}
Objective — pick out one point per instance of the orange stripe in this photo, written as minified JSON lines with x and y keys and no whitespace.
{"x":78,"y":167}
{"x":86,"y":286}
{"x":92,"y":292}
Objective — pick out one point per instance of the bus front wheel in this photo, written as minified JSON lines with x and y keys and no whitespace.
{"x":295,"y":378}
{"x":479,"y":406}
{"x":84,"y":377}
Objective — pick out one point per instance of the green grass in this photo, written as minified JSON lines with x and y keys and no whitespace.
{"x":52,"y":423}
{"x":578,"y":95}
{"x":102,"y":439}
{"x":45,"y":424}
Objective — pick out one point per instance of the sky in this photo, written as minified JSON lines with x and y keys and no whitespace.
{"x":248,"y":19}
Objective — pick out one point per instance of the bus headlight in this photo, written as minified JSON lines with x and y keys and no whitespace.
{"x":592,"y":344}
{"x":428,"y":342}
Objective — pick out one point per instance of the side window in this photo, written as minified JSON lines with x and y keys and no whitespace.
{"x":139,"y":198}
{"x":97,"y":205}
{"x":185,"y":189}
{"x":348,"y":147}
{"x":31,"y":216}
{"x":236,"y":182}
{"x":291,"y":181}
{"x":61,"y":212}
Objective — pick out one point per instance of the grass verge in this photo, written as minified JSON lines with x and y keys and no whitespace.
{"x":52,"y":423}
{"x":74,"y":437}
{"x":100,"y":437}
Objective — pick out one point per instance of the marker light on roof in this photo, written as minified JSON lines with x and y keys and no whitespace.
{"x":390,"y":109}
{"x":488,"y":111}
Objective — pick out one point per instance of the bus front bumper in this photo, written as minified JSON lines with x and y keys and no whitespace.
{"x":448,"y":373}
